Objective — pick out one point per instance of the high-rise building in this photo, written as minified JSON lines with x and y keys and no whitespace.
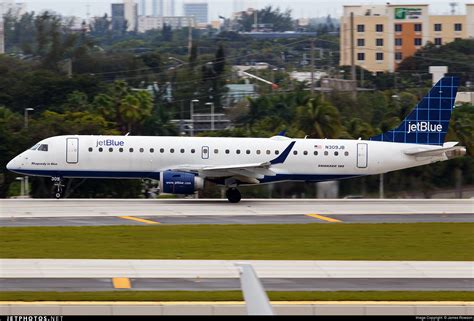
{"x":131,"y":14}
{"x":142,"y":8}
{"x":146,"y":23}
{"x":2,"y":37}
{"x":157,"y":8}
{"x":198,"y":10}
{"x":118,"y":16}
{"x":384,"y":35}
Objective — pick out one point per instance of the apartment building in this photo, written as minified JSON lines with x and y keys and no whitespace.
{"x":383,"y":35}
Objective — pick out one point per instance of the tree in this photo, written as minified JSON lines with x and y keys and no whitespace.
{"x":281,"y":21}
{"x":318,"y":119}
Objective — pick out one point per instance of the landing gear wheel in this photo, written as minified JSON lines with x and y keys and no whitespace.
{"x":59,"y":187}
{"x":233,"y":195}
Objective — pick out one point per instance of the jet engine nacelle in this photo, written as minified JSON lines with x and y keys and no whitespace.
{"x":180,"y":183}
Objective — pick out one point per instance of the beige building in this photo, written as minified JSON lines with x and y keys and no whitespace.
{"x":146,"y":23}
{"x":386,"y":34}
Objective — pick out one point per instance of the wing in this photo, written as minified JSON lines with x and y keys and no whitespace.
{"x":250,"y":173}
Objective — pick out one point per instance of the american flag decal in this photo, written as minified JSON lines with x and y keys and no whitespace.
{"x":318,"y":146}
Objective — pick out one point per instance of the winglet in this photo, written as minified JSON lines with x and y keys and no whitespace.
{"x":281,"y":159}
{"x":255,"y":297}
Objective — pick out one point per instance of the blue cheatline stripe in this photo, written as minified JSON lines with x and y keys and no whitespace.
{"x":156,"y":175}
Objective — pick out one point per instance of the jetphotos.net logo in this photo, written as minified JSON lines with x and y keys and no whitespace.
{"x":424,"y":127}
{"x":109,"y":142}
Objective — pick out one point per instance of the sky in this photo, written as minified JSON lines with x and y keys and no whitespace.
{"x":300,"y":8}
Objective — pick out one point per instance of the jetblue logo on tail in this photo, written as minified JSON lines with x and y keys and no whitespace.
{"x":428,"y":122}
{"x":425,"y":127}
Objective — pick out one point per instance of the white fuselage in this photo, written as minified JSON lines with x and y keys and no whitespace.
{"x":146,"y":157}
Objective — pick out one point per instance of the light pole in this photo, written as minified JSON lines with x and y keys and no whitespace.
{"x":26,"y":115}
{"x":26,"y":182}
{"x":212,"y":115}
{"x":22,"y":183}
{"x":191,"y":113}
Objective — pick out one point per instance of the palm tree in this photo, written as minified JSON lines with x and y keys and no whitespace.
{"x":319,"y":119}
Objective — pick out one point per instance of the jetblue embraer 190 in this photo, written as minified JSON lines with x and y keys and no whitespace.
{"x":184,"y":164}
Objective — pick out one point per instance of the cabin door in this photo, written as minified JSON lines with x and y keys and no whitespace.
{"x":362,"y":156}
{"x":72,"y":150}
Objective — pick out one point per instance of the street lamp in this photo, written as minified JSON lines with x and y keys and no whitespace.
{"x":26,"y":115}
{"x":191,"y":113}
{"x":212,"y":114}
{"x":22,"y":184}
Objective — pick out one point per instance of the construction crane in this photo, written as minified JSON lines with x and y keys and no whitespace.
{"x":274,"y":86}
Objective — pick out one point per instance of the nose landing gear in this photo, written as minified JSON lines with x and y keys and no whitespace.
{"x":233,"y":195}
{"x":59,"y":187}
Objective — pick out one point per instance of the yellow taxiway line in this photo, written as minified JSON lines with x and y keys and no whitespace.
{"x":324,"y":218}
{"x":121,"y":283}
{"x":141,"y":220}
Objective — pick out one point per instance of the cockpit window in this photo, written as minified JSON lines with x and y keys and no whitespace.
{"x":34,"y":147}
{"x":43,"y":147}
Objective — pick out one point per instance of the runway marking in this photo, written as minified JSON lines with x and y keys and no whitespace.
{"x":121,"y":283}
{"x":141,"y":220}
{"x":324,"y":218}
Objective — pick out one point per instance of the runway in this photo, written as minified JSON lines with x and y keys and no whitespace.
{"x":213,"y":275}
{"x":234,"y":219}
{"x":92,"y":212}
{"x":228,"y":284}
{"x":16,"y":208}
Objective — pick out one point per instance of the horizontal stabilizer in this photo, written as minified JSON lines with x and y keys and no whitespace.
{"x":433,"y":152}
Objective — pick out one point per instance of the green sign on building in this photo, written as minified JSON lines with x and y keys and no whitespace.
{"x":407,"y":13}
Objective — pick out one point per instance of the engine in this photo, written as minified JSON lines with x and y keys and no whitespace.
{"x":180,"y":183}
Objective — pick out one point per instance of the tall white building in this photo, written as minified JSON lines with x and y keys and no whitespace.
{"x":131,"y":14}
{"x":2,"y":37}
{"x":198,"y":10}
{"x":142,"y":8}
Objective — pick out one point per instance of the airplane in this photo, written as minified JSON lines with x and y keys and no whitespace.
{"x":183,"y":165}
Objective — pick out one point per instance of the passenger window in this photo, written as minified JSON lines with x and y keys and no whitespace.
{"x":182,"y":150}
{"x":162,"y":150}
{"x":326,"y":153}
{"x":121,"y":149}
{"x":172,"y":150}
{"x":258,"y":151}
{"x":216,"y":151}
{"x":43,"y":148}
{"x":346,"y":153}
{"x":248,"y":151}
{"x":90,"y":149}
{"x":305,"y":152}
{"x":141,"y":150}
{"x":336,"y":153}
{"x":315,"y":153}
{"x":295,"y":152}
{"x":277,"y":152}
{"x":131,"y":150}
{"x":227,"y":151}
{"x":111,"y":149}
{"x":238,"y":151}
{"x":193,"y":151}
{"x":100,"y":149}
{"x":152,"y":150}
{"x":268,"y":152}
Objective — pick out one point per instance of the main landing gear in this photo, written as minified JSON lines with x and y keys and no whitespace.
{"x":59,"y":186}
{"x":233,"y":195}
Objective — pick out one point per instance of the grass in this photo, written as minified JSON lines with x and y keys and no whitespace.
{"x":236,"y":296}
{"x":419,"y":241}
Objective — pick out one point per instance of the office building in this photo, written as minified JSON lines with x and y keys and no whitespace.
{"x":384,"y":35}
{"x":146,"y":23}
{"x":125,"y":13}
{"x":198,"y":10}
{"x":142,"y":8}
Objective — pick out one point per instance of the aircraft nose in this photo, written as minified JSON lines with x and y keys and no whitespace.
{"x":13,"y":164}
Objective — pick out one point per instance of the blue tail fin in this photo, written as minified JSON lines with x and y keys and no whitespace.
{"x":428,"y":122}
